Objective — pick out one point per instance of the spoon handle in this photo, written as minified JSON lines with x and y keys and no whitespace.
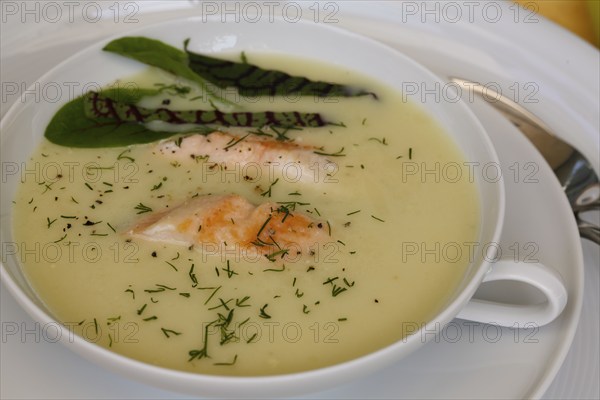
{"x":573,"y":170}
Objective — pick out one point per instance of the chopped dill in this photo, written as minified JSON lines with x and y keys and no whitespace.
{"x":252,"y":338}
{"x":172,"y":266}
{"x":233,"y":141}
{"x":61,"y":239}
{"x":330,"y":280}
{"x":282,"y":135}
{"x":263,"y":313}
{"x":338,"y":153}
{"x":230,"y":272}
{"x":192,"y":276}
{"x":291,"y":205}
{"x":229,"y":363}
{"x":169,"y":331}
{"x":212,"y":295}
{"x":141,"y":310}
{"x":199,"y":354}
{"x":276,"y":270}
{"x":159,"y":288}
{"x":263,"y":226}
{"x":382,"y":141}
{"x":268,"y":191}
{"x":272,"y":257}
{"x":240,"y":303}
{"x":337,"y":290}
{"x":260,"y":132}
{"x":174,"y":89}
{"x":123,"y":157}
{"x":223,"y":304}
{"x":142,"y":208}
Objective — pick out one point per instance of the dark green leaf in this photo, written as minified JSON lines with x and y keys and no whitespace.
{"x":101,"y":105}
{"x":111,"y":118}
{"x":71,"y":127}
{"x":158,"y":54}
{"x":251,"y":80}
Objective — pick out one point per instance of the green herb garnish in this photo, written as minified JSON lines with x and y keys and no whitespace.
{"x":142,"y":208}
{"x":169,"y":332}
{"x":241,"y":303}
{"x":229,"y":363}
{"x":339,"y":153}
{"x":263,"y":313}
{"x":268,"y":191}
{"x":230,"y":272}
{"x":251,"y":80}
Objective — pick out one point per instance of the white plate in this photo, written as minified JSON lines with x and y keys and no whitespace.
{"x":476,"y":365}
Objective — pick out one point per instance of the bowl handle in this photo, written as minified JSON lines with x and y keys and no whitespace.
{"x":537,"y":275}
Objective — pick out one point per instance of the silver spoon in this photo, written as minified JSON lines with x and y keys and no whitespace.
{"x":573,"y":170}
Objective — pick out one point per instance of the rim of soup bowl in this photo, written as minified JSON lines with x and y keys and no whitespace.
{"x":282,"y":384}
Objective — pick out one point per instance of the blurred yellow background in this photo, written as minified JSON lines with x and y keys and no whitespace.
{"x":581,"y":17}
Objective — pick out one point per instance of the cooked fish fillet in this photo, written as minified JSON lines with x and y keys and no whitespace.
{"x":225,"y":223}
{"x":295,"y":162}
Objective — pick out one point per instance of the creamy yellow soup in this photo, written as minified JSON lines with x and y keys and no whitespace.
{"x":227,"y":314}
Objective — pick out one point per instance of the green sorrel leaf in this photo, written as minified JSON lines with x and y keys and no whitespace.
{"x":111,"y":118}
{"x":251,"y":80}
{"x":71,"y":127}
{"x":157,"y":54}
